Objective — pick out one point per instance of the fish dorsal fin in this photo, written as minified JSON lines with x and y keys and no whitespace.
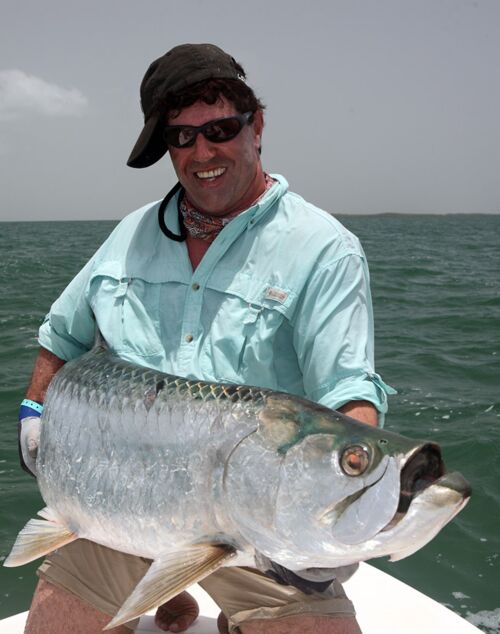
{"x":169,"y":574}
{"x":99,"y":341}
{"x":38,"y":538}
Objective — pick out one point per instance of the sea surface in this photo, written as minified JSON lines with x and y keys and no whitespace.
{"x":436,"y":293}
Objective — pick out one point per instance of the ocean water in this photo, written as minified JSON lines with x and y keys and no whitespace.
{"x":436,"y":293}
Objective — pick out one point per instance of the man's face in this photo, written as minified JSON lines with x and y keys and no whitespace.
{"x":219,"y":177}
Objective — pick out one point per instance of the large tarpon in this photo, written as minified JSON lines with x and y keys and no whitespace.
{"x":196,"y":476}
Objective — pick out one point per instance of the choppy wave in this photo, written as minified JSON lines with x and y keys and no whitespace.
{"x":487,"y":620}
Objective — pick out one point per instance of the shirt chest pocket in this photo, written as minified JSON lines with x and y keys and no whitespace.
{"x":251,"y":317}
{"x":256,"y":306}
{"x":261,"y":320}
{"x":127,"y":311}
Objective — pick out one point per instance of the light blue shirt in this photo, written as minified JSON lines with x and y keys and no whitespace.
{"x":281,"y":300}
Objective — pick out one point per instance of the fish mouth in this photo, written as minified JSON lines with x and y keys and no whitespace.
{"x":423,"y":469}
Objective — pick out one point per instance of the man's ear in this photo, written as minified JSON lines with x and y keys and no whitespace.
{"x":258,"y":126}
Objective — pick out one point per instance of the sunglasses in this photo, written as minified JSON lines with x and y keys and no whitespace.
{"x":216,"y":131}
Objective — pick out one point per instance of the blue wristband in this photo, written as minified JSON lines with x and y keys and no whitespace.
{"x":30,"y":408}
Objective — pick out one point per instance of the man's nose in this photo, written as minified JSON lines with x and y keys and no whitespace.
{"x":203,"y":150}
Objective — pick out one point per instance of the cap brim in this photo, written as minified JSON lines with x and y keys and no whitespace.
{"x":150,"y":146}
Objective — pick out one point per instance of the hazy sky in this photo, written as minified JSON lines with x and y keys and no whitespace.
{"x":372,"y":105}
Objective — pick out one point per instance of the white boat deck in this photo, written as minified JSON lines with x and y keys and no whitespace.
{"x":384,"y":605}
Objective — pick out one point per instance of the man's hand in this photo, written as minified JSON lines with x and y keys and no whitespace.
{"x":29,"y":439}
{"x":46,"y":366}
{"x":178,"y":614}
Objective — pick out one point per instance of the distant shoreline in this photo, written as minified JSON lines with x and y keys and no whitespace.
{"x":337,"y":215}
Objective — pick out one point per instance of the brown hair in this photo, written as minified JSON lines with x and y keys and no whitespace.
{"x":209,"y":91}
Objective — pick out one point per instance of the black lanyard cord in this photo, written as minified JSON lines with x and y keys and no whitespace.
{"x":161,"y":214}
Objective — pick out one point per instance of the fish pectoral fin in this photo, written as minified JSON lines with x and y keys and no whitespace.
{"x":170,"y":574}
{"x":38,"y":538}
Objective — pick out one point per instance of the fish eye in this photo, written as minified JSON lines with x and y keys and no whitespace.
{"x":355,"y":460}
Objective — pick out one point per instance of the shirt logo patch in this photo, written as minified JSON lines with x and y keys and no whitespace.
{"x":276,"y":294}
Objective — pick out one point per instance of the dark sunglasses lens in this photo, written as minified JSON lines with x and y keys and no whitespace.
{"x":214,"y":131}
{"x":222,"y":130}
{"x":180,"y":137}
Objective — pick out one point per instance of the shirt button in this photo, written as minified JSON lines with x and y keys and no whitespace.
{"x":195,"y":287}
{"x":189,"y":338}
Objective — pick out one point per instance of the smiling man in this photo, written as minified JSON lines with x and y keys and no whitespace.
{"x":221,"y":178}
{"x":230,"y":278}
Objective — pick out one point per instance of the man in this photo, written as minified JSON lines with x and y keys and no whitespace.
{"x":230,"y":278}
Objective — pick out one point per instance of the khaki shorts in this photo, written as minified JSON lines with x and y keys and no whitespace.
{"x":104,"y":578}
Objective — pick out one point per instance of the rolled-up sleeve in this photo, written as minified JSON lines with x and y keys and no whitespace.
{"x":333,"y":336}
{"x":69,"y":328}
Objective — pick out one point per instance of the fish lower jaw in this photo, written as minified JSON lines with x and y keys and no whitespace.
{"x":448,"y":491}
{"x":417,"y":527}
{"x":394,"y":522}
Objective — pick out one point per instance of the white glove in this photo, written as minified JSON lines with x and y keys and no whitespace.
{"x":29,"y":439}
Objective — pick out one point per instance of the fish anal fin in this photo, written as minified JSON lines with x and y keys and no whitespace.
{"x":168,"y":575}
{"x":38,"y":538}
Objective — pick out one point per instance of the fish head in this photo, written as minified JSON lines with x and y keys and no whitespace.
{"x":347,"y":492}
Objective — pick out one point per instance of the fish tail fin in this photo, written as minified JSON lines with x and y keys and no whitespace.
{"x":168,"y":575}
{"x":50,"y":515}
{"x":38,"y":538}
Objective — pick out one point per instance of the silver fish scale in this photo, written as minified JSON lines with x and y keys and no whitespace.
{"x":116,"y":372}
{"x":108,"y":431}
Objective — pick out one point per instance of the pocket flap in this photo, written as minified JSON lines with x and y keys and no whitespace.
{"x":258,"y":294}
